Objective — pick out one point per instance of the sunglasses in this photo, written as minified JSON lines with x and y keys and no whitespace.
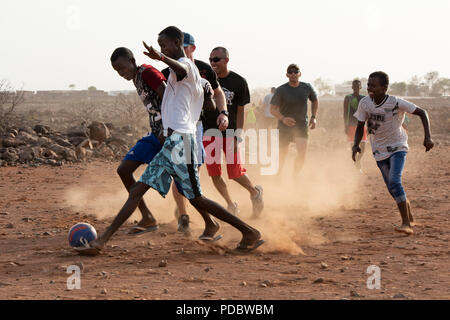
{"x":294,"y":71}
{"x":215,"y":59}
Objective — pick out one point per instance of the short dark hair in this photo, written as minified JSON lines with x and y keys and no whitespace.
{"x":382,"y":77}
{"x":122,"y":52}
{"x":173,"y":33}
{"x":224,"y":50}
{"x":293,"y":66}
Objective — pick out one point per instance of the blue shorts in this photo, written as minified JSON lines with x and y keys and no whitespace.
{"x":200,"y":151}
{"x":144,"y":150}
{"x":177,"y":160}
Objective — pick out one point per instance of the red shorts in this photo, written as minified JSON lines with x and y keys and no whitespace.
{"x":351,"y":134}
{"x":213,"y":161}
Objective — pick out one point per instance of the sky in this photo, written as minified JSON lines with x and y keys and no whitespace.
{"x":49,"y":44}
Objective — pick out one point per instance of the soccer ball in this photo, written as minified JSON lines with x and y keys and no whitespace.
{"x":81,"y":234}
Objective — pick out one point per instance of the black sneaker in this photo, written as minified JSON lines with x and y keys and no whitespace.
{"x":183,"y":223}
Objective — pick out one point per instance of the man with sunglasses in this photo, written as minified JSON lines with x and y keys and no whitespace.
{"x":290,"y":105}
{"x":237,"y":96}
{"x":221,"y":120}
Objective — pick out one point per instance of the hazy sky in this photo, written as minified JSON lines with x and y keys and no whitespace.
{"x":49,"y":44}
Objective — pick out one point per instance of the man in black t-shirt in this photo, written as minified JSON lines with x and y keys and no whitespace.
{"x":290,"y":105}
{"x":221,"y":120}
{"x":237,"y":96}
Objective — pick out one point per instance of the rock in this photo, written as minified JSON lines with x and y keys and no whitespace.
{"x":399,"y":296}
{"x":77,"y":132}
{"x":46,"y":233}
{"x":76,"y":140}
{"x":28,"y":138}
{"x":50,"y":154}
{"x":263,"y":285}
{"x":319,"y":280}
{"x":9,"y":226}
{"x":39,"y":128}
{"x":323,"y":265}
{"x":70,"y":155}
{"x":43,"y":141}
{"x":86,"y":143}
{"x":10,"y":155}
{"x":165,"y":291}
{"x":98,"y":131}
{"x":163,"y":264}
{"x":243,"y":283}
{"x":26,"y":154}
{"x":104,"y":291}
{"x":13,"y":143}
{"x":2,"y":163}
{"x":13,"y":131}
{"x":4,"y":213}
{"x":81,"y":153}
{"x":63,"y":142}
{"x":353,"y":293}
{"x":80,"y":265}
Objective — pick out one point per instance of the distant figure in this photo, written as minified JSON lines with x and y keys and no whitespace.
{"x":268,"y":120}
{"x":289,"y":105}
{"x":384,"y":115}
{"x":250,"y":116}
{"x":351,"y":102}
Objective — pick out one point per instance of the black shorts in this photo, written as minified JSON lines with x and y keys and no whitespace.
{"x":288,"y":135}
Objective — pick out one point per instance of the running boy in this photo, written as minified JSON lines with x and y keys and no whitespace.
{"x":384,"y":115}
{"x":150,"y":85}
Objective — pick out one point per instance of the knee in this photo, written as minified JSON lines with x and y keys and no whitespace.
{"x":197,"y":202}
{"x":122,"y":170}
{"x":137,"y":191}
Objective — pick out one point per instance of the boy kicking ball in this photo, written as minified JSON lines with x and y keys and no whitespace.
{"x":384,"y":115}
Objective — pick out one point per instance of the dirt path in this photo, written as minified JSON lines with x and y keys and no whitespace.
{"x":339,"y":241}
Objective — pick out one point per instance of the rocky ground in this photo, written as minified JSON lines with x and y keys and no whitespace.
{"x":323,"y":230}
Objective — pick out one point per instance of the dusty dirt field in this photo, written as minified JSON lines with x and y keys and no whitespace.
{"x":322,"y":231}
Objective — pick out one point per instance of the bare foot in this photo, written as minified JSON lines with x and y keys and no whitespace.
{"x":405,"y":229}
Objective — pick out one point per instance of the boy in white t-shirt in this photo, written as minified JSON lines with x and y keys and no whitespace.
{"x":384,"y":115}
{"x":180,"y":110}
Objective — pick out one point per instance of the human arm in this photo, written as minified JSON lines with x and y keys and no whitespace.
{"x":208,"y":103}
{"x":275,"y":111}
{"x":180,"y":69}
{"x":314,"y":108}
{"x":345,"y":114}
{"x":358,"y":137}
{"x":427,"y":142}
{"x":219,"y":97}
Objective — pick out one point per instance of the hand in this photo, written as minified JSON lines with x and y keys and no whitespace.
{"x":312,"y":123}
{"x":152,"y":53}
{"x":355,"y":150}
{"x":428,"y":144}
{"x":288,"y":121}
{"x":222,"y":122}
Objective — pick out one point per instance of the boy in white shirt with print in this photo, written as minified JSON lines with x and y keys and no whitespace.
{"x":384,"y":115}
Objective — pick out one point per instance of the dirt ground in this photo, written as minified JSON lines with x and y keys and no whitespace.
{"x":323,"y":230}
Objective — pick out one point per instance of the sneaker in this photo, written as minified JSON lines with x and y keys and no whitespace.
{"x":257,"y":202}
{"x":183,"y":223}
{"x":233,"y":208}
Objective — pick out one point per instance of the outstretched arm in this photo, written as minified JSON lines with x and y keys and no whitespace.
{"x":180,"y":69}
{"x":428,"y":143}
{"x":358,"y":137}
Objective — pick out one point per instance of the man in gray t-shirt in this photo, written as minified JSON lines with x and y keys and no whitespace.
{"x":290,"y":105}
{"x":268,"y":120}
